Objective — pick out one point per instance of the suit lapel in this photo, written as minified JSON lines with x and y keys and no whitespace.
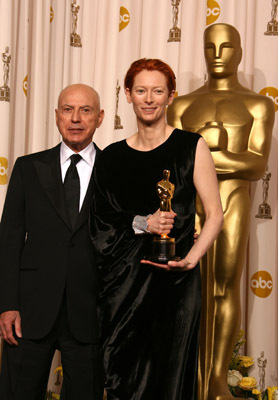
{"x":48,"y":169}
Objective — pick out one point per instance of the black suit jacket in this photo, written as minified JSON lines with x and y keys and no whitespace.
{"x":41,"y":256}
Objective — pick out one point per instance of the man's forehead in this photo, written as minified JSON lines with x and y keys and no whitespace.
{"x":78,"y":98}
{"x":75,"y":105}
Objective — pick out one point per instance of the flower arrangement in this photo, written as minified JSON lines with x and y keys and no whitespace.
{"x":50,"y":395}
{"x":239,"y":382}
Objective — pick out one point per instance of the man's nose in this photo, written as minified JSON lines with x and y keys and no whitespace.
{"x":75,"y":116}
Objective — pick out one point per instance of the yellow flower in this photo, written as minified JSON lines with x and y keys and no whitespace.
{"x":257,"y":393}
{"x":246,"y":361}
{"x":248,"y":383}
{"x":55,"y":396}
{"x":270,"y":391}
{"x":59,"y":369}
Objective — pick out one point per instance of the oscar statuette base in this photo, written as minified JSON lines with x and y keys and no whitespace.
{"x":164,"y":250}
{"x":272,"y":28}
{"x":174,"y":35}
{"x":4,"y":93}
{"x":75,"y":40}
{"x":264,"y":211}
{"x":117,"y":122}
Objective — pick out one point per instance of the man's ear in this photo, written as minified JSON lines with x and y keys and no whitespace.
{"x":100,"y":118}
{"x":56,"y":116}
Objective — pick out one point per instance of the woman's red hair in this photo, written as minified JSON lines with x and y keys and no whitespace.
{"x":150,"y":64}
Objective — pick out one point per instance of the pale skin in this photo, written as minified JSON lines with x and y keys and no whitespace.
{"x":77,"y":117}
{"x":150,"y":97}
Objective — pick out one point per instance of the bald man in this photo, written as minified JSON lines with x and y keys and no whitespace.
{"x":48,"y":285}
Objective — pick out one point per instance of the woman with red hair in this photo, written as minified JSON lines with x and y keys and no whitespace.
{"x":150,"y":312}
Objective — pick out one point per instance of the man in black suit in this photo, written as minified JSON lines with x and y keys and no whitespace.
{"x":48,"y":279}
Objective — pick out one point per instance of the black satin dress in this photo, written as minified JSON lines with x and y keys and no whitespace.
{"x":149,"y":317}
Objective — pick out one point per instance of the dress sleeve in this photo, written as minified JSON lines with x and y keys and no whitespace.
{"x":111,"y":229}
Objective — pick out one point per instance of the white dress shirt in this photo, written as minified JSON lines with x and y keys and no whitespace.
{"x":84,"y":166}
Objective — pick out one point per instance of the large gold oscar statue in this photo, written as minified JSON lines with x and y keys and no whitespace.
{"x":237,"y":126}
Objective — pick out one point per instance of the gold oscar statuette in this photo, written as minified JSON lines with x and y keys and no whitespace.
{"x":240,"y":147}
{"x":175,"y":32}
{"x":5,"y":90}
{"x":75,"y":39}
{"x":272,"y":26}
{"x":117,"y":119}
{"x":164,"y":247}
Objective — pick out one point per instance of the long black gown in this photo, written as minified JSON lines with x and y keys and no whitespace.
{"x":149,"y":317}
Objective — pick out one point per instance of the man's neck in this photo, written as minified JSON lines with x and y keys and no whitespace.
{"x":77,"y":150}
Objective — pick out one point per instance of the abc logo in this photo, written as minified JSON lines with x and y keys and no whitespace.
{"x":3,"y":171}
{"x":213,"y":11}
{"x":124,"y":18}
{"x":24,"y":85}
{"x":271,"y":92}
{"x":261,"y":284}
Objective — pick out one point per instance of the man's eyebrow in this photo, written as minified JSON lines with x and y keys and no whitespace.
{"x":83,"y":106}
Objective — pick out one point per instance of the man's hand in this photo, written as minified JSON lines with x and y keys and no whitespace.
{"x":7,"y":320}
{"x":161,"y":222}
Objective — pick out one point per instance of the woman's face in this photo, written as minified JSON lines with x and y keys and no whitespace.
{"x":150,"y":96}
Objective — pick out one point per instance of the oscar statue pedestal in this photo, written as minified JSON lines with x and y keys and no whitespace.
{"x":164,"y":249}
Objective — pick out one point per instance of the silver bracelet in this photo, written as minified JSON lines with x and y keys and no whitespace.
{"x":140,"y":224}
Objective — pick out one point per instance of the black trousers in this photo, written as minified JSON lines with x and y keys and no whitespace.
{"x":25,"y":368}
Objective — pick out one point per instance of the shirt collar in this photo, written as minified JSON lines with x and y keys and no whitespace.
{"x":87,"y":154}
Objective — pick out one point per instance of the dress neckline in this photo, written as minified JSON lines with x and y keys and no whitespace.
{"x":155,"y":148}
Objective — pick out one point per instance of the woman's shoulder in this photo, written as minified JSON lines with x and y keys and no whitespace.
{"x":112,"y":153}
{"x":112,"y":147}
{"x":186,"y":137}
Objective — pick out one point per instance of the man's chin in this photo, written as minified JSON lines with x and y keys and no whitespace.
{"x":77,"y":145}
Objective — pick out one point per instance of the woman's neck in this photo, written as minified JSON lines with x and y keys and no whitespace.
{"x":149,"y":137}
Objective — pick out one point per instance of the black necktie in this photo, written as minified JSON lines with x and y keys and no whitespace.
{"x":72,"y":188}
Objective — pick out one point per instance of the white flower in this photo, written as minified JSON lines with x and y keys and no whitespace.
{"x":234,"y":377}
